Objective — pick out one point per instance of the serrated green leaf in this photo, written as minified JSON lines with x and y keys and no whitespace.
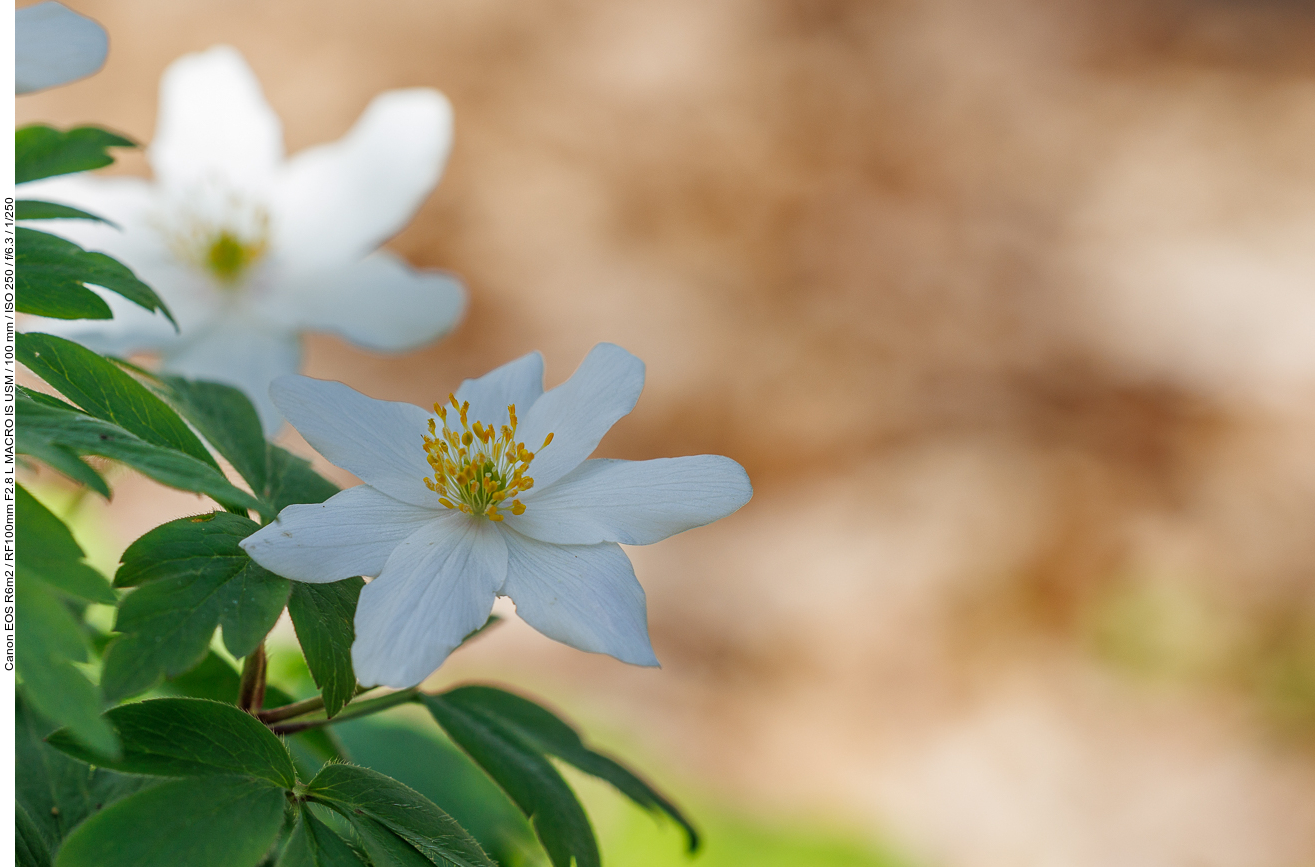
{"x":50,"y":640}
{"x":211,"y":822}
{"x":32,"y":209}
{"x":189,"y":737}
{"x":323,"y":615}
{"x":555,"y":737}
{"x":30,"y":848}
{"x":63,"y":461}
{"x":356,"y":792}
{"x":385,"y":848}
{"x":193,"y":576}
{"x":41,"y":151}
{"x":216,"y":680}
{"x":103,"y":390}
{"x":42,"y":427}
{"x":314,"y":844}
{"x":50,"y":553}
{"x":527,"y":777}
{"x":58,"y":790}
{"x":291,"y":480}
{"x":53,"y":274}
{"x":428,"y":762}
{"x":227,"y":420}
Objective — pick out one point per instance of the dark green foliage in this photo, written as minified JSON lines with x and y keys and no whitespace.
{"x":314,"y":844}
{"x":58,"y":434}
{"x":106,"y":392}
{"x":366,"y":798}
{"x":193,"y":576}
{"x":190,"y":737}
{"x":323,"y":617}
{"x":210,"y":822}
{"x":291,"y":480}
{"x":31,"y":209}
{"x":428,"y":762}
{"x":551,"y":735}
{"x":527,"y":777}
{"x":41,"y":151}
{"x":226,"y":419}
{"x":58,"y":791}
{"x":29,"y":847}
{"x":50,"y":553}
{"x":50,"y":640}
{"x":52,"y":274}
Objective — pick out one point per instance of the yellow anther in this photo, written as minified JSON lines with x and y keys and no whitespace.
{"x":467,"y":439}
{"x":517,"y":507}
{"x":476,"y":465}
{"x":546,"y":440}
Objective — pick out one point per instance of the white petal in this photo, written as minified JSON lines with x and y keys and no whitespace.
{"x":603,"y":389}
{"x":55,"y":45}
{"x":437,"y":587}
{"x":237,"y":352}
{"x":379,"y":303}
{"x":634,"y":502}
{"x":586,"y":596}
{"x":214,"y":125}
{"x":381,"y":441}
{"x":338,"y":202}
{"x":518,"y":382}
{"x":351,"y":533}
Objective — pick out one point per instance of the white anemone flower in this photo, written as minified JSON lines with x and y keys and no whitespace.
{"x":54,"y":45}
{"x":456,"y":509}
{"x":250,"y":250}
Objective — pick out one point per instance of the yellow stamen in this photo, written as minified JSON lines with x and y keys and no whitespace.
{"x":477,"y":466}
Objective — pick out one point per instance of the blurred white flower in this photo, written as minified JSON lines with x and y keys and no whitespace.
{"x":54,"y":45}
{"x":248,"y":249}
{"x":450,"y":516}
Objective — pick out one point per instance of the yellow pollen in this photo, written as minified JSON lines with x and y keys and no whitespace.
{"x":477,"y":466}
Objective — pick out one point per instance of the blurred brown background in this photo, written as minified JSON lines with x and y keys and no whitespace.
{"x":1007,"y":307}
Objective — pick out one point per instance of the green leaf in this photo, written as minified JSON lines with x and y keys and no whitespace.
{"x":216,"y":680}
{"x":50,"y":553}
{"x":385,"y":848}
{"x":42,"y":428}
{"x":553,"y":736}
{"x":211,"y":822}
{"x":314,"y":844}
{"x":50,"y":640}
{"x":323,"y":616}
{"x":527,"y":777}
{"x":428,"y":762}
{"x":194,"y":576}
{"x":62,"y":460}
{"x":32,"y":209}
{"x":105,"y":391}
{"x":190,"y":737}
{"x":356,"y":792}
{"x":227,"y":420}
{"x":29,"y":847}
{"x":41,"y":151}
{"x":291,"y":480}
{"x":57,"y":790}
{"x":53,"y":273}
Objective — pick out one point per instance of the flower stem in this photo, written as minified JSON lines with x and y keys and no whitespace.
{"x":251,"y":690}
{"x":352,"y":711}
{"x":298,"y":708}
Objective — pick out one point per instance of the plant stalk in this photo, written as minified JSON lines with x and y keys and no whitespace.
{"x":298,"y":708}
{"x":352,"y":711}
{"x":251,"y":690}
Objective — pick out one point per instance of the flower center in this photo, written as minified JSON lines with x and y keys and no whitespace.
{"x":228,"y":256}
{"x":476,"y":469}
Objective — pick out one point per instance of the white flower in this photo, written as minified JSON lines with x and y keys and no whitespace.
{"x":448,"y":517}
{"x":55,"y":45}
{"x":250,"y":250}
